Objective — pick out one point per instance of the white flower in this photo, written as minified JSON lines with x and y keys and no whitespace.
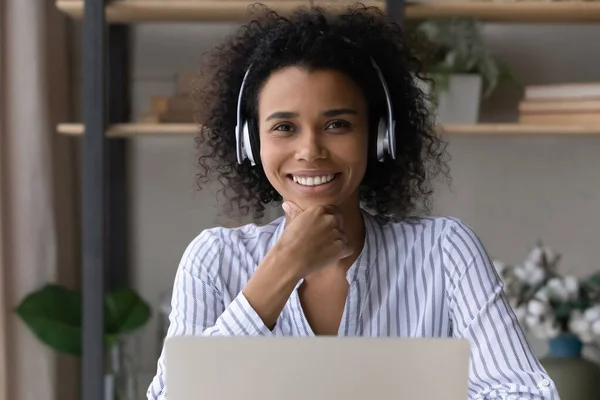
{"x":542,"y":295}
{"x":572,"y":285}
{"x":563,"y":289}
{"x":537,"y":308}
{"x":592,"y":314}
{"x":557,"y":290}
{"x":539,"y":254}
{"x":531,"y":321}
{"x":543,"y":329}
{"x":586,"y":325}
{"x":530,"y":273}
{"x":578,"y":324}
{"x":595,"y":328}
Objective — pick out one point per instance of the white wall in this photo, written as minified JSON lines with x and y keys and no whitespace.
{"x":512,"y":190}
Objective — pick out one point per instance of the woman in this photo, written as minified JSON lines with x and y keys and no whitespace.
{"x":311,"y":133}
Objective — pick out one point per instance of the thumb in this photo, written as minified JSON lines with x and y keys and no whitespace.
{"x":291,"y":209}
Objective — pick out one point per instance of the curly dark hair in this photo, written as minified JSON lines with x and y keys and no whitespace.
{"x":317,"y":38}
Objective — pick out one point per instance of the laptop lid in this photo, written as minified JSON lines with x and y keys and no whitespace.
{"x":296,"y":368}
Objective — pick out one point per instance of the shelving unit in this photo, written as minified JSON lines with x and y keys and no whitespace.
{"x":236,"y":10}
{"x":142,"y":129}
{"x":105,"y":49}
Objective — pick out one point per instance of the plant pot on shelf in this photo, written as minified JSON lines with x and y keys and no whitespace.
{"x":458,"y":102}
{"x":576,"y":378}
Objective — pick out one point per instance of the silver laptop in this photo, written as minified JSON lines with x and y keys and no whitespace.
{"x":328,"y":368}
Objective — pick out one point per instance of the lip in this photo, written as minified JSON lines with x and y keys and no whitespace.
{"x":311,"y":173}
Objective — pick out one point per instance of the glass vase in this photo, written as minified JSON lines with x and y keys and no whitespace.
{"x":120,"y":378}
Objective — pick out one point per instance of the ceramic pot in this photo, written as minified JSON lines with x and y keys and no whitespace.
{"x":576,"y":378}
{"x":459,"y":102}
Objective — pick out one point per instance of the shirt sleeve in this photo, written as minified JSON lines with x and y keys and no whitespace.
{"x":503,"y":365}
{"x":197,"y":305}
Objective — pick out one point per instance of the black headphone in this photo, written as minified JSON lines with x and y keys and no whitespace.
{"x":246,"y":130}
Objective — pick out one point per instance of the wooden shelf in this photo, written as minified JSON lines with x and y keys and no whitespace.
{"x":123,"y":11}
{"x":519,"y":129}
{"x":134,"y":129}
{"x":523,"y":11}
{"x":143,"y":129}
{"x":183,"y":10}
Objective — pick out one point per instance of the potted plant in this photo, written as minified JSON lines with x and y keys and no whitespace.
{"x":461,"y":67}
{"x":561,"y":309}
{"x":54,"y":314}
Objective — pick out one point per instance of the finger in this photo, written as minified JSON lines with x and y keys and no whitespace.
{"x":335,"y":211}
{"x":340,"y":235}
{"x":344,"y":250}
{"x":291,"y":209}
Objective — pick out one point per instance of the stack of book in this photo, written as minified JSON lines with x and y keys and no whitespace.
{"x":562,"y":104}
{"x":176,"y":108}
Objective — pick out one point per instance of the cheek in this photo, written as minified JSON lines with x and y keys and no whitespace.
{"x":271,"y":159}
{"x":354,"y":152}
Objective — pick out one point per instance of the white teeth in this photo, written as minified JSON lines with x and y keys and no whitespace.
{"x":313,"y":181}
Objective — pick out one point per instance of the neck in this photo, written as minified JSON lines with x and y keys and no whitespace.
{"x":354,"y":228}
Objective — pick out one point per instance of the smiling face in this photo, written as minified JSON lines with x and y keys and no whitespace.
{"x":313,"y":136}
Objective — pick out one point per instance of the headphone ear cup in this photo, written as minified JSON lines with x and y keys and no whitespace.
{"x":254,"y":139}
{"x":247,"y":145}
{"x":382,"y":140}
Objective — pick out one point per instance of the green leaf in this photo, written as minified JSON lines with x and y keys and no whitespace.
{"x":53,"y":314}
{"x":125,"y":312}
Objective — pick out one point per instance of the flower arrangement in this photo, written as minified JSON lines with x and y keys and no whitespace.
{"x":549,"y":304}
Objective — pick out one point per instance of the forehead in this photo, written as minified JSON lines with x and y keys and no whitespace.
{"x":295,"y":89}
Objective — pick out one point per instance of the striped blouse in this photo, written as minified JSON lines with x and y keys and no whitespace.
{"x":425,"y":278}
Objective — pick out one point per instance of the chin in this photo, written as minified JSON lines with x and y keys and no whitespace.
{"x":308,"y":203}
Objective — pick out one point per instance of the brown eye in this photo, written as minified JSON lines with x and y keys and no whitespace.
{"x":283,"y":128}
{"x":338,"y":124}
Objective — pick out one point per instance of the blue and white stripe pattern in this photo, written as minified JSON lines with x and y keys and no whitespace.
{"x":426,"y":278}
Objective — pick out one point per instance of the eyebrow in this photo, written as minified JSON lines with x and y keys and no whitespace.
{"x":328,"y":113}
{"x":282,"y":115}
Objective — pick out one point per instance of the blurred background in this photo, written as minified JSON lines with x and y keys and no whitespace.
{"x":518,"y":100}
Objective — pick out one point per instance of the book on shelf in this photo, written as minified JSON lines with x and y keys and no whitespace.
{"x":561,"y":104}
{"x":563,"y":91}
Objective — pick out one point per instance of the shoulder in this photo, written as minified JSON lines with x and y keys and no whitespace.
{"x":207,"y":249}
{"x":449,"y":238}
{"x":426,"y":231}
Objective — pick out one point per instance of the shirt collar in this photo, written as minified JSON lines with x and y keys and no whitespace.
{"x":359,"y":270}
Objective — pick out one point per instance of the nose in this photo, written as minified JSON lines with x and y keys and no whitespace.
{"x":310,"y":147}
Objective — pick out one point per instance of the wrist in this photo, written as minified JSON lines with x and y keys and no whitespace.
{"x":283,"y":267}
{"x":270,"y":287}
